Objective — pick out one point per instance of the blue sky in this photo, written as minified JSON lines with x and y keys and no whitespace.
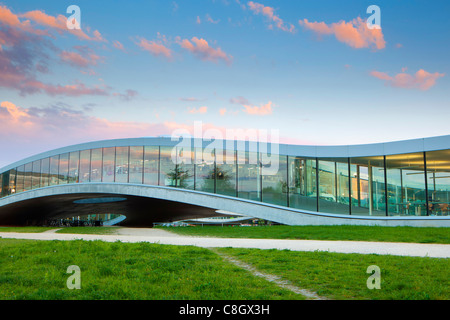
{"x":320,"y":87}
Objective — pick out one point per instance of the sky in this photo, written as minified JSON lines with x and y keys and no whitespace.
{"x":310,"y":70}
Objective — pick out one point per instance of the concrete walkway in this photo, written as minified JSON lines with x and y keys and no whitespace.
{"x":362,"y":247}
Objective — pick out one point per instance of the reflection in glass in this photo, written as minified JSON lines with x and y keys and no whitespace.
{"x":368,"y":186}
{"x":185,"y":168}
{"x":151,"y":165}
{"x":63,"y":168}
{"x":333,"y":186}
{"x":20,"y":178}
{"x":74,"y":162}
{"x":302,"y":183}
{"x":85,"y":165}
{"x":249,"y":182}
{"x":54,"y":169}
{"x":108,"y":169}
{"x":438,"y":178}
{"x":168,"y":175}
{"x":96,"y":165}
{"x":136,"y":165}
{"x":406,"y":184}
{"x":45,"y":172}
{"x":205,"y":170}
{"x":12,"y":182}
{"x":36,"y":175}
{"x":226,"y":173}
{"x":122,"y":155}
{"x":27,"y":176}
{"x":275,"y":187}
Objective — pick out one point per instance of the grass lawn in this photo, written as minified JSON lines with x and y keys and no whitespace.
{"x":26,"y":229}
{"x":343,"y":276}
{"x":356,"y":233}
{"x":122,"y":271}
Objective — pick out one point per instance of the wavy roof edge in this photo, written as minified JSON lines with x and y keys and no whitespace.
{"x":310,"y":151}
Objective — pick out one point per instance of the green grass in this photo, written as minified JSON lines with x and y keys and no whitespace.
{"x":343,"y":276}
{"x":26,"y":229}
{"x":355,"y":233}
{"x":89,"y":230}
{"x":122,"y":271}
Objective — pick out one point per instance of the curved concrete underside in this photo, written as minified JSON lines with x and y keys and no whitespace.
{"x":145,"y":205}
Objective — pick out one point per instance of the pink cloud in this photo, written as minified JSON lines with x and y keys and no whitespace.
{"x":211,"y":20}
{"x":263,"y":110}
{"x":201,"y":110}
{"x":59,"y":126}
{"x":25,"y":54}
{"x":118,"y":45}
{"x":201,"y":49}
{"x":83,"y":59}
{"x":422,"y":79}
{"x":155,"y":48}
{"x":269,"y":12}
{"x":354,"y":33}
{"x":59,"y":23}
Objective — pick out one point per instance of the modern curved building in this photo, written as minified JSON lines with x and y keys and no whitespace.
{"x":153,"y":180}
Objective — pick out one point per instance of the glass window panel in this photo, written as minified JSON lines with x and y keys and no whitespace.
{"x":54,"y":169}
{"x":36,"y":175}
{"x":185,"y":168}
{"x":302,"y":183}
{"x":2,"y":179}
{"x":12,"y":181}
{"x":136,"y":164}
{"x":28,"y":172}
{"x":438,"y":180}
{"x":45,"y":172}
{"x":249,"y":182}
{"x":85,"y":166}
{"x":205,"y":170}
{"x":168,"y":174}
{"x":333,"y":186}
{"x":226,"y":173}
{"x":96,"y":165}
{"x":63,"y":168}
{"x":406,"y":184}
{"x":74,"y":163}
{"x":151,"y":165}
{"x":109,"y":164}
{"x":122,"y":158}
{"x":368,"y":186}
{"x":342,"y":185}
{"x":20,"y":178}
{"x":274,"y":187}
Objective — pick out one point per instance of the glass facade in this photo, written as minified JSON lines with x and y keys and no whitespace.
{"x":226,"y":172}
{"x":85,"y":166}
{"x":302,"y":183}
{"x":406,"y":185}
{"x":368,"y":186}
{"x":169,"y":173}
{"x":106,"y":158}
{"x":415,"y":184}
{"x":205,"y":170}
{"x":438,"y":182}
{"x":122,"y":164}
{"x":151,"y":165}
{"x":334,"y":186}
{"x":275,"y":186}
{"x":249,"y":181}
{"x":136,"y":166}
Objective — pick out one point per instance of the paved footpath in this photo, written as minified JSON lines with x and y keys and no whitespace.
{"x":363,"y":247}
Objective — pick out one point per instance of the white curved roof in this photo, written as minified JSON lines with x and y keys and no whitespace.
{"x":345,"y":151}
